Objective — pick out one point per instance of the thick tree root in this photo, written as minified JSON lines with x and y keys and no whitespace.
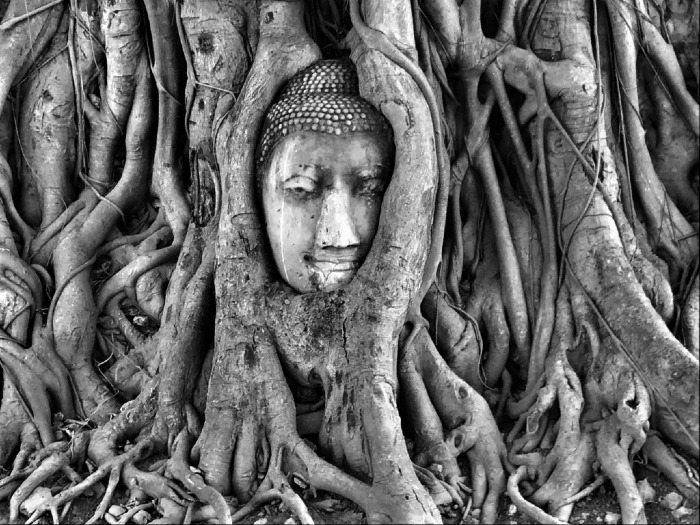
{"x":276,"y":486}
{"x":178,"y":467}
{"x":529,"y":509}
{"x":671,"y":465}
{"x":458,"y":407}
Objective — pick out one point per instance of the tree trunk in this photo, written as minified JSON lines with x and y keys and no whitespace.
{"x":534,"y":267}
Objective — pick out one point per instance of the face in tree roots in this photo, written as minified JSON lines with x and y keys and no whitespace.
{"x":507,"y":301}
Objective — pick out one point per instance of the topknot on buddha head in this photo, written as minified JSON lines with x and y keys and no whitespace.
{"x":323,"y":98}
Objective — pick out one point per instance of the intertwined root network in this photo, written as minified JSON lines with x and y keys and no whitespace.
{"x":535,"y":267}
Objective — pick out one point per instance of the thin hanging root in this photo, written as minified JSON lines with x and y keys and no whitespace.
{"x":12,"y":22}
{"x":530,"y":510}
{"x":178,"y":468}
{"x":665,"y":58}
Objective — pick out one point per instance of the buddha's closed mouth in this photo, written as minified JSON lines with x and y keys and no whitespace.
{"x":334,"y":263}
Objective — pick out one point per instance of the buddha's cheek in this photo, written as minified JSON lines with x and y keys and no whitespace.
{"x":297,"y":226}
{"x":365,"y":214}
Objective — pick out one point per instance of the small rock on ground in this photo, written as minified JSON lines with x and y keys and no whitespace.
{"x":681,"y":512}
{"x":141,"y":517}
{"x":116,"y":510}
{"x":672,"y":500}
{"x":646,"y":491}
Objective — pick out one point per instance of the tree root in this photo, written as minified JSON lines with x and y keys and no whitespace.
{"x":48,"y":467}
{"x":14,"y":417}
{"x":276,"y":486}
{"x":597,"y":482}
{"x":442,"y":492}
{"x":669,"y":463}
{"x":561,"y":472}
{"x":615,"y":463}
{"x":178,"y":467}
{"x":530,"y":510}
{"x":125,"y":279}
{"x":459,"y":408}
{"x":107,"y":497}
{"x":38,"y":373}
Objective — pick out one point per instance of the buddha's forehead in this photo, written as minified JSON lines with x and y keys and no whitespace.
{"x":346,"y":152}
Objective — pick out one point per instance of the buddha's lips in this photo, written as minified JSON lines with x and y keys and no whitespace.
{"x":334,"y":264}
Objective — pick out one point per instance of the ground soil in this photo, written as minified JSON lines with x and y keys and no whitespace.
{"x":325,"y":508}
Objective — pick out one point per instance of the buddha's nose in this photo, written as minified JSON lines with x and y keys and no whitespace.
{"x":335,"y":227}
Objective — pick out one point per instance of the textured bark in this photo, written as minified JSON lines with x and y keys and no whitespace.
{"x":535,"y":266}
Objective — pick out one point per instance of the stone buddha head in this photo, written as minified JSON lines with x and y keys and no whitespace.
{"x":324,"y":160}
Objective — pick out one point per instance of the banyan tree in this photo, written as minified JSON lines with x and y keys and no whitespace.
{"x":411,"y":253}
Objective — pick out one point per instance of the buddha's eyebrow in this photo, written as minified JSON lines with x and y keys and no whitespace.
{"x":307,"y":170}
{"x":370,"y":172}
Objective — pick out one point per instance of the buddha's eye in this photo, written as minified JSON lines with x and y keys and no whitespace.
{"x":301,"y":187}
{"x":372,"y":187}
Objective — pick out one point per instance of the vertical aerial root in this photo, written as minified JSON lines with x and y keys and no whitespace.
{"x":511,"y":282}
{"x":167,"y":168}
{"x":563,"y":470}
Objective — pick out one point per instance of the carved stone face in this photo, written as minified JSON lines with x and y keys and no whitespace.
{"x":321,"y":198}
